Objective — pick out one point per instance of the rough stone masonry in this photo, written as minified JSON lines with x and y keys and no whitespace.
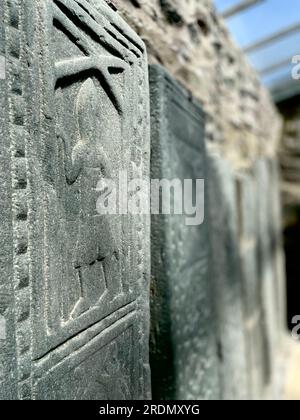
{"x":74,"y":286}
{"x":193,"y":43}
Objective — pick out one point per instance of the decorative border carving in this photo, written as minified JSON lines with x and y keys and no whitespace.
{"x":15,"y":54}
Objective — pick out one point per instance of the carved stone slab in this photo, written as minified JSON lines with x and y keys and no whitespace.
{"x":267,"y":250}
{"x":78,"y":112}
{"x":250,"y":280}
{"x":227,"y":278}
{"x":183,"y":354}
{"x":278,"y":254}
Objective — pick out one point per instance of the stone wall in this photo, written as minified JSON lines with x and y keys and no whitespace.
{"x":192,"y":42}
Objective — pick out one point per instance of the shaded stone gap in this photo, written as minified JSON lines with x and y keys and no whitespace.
{"x":291,"y":247}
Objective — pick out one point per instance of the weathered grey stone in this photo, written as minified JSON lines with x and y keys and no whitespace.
{"x":252,"y":309}
{"x":277,"y":247}
{"x":262,"y":274}
{"x":183,"y":354}
{"x":247,"y":222}
{"x":227,"y":279}
{"x":75,"y":105}
{"x":266,"y":269}
{"x":274,"y":291}
{"x":7,"y":339}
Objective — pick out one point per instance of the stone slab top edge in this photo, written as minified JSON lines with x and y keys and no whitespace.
{"x":159,"y":75}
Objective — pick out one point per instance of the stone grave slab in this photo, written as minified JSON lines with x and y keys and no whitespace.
{"x":251,"y":299}
{"x":76,"y":112}
{"x":226,"y":278}
{"x":266,"y":265}
{"x":183,"y":341}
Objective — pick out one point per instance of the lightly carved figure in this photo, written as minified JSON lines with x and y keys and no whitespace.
{"x":96,"y":242}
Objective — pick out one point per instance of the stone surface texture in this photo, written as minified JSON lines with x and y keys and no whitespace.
{"x":183,"y":341}
{"x":191,"y":40}
{"x":74,"y":286}
{"x":226,"y":279}
{"x":289,"y":157}
{"x":242,"y":136}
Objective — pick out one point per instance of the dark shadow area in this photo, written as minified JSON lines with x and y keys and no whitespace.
{"x":291,"y":246}
{"x":162,"y":357}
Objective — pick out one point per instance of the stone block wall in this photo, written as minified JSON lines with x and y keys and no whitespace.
{"x":192,"y":42}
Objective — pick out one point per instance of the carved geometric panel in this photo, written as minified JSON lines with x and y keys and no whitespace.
{"x":84,"y":84}
{"x":101,"y":369}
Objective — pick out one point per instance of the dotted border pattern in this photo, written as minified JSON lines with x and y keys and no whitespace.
{"x":15,"y":71}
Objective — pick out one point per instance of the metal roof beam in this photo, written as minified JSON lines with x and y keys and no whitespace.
{"x":273,"y":38}
{"x":274,"y":67}
{"x":240,"y":7}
